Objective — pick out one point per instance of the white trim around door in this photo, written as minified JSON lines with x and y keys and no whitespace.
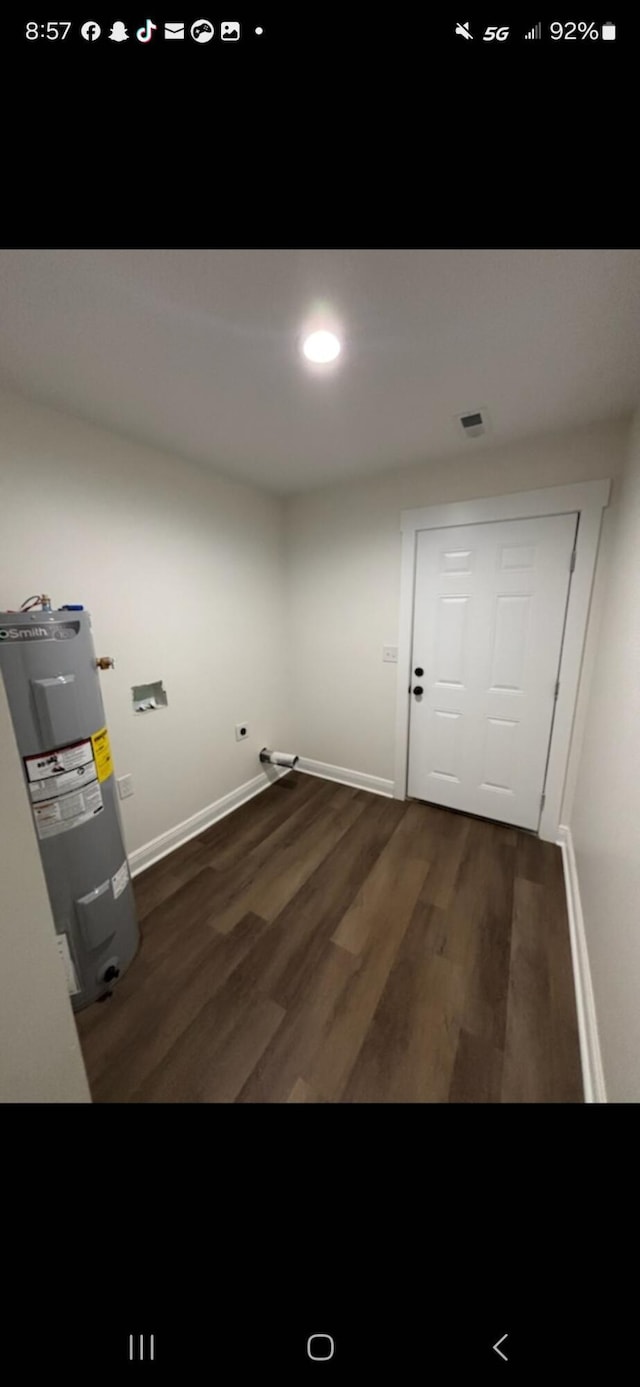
{"x":587,"y":498}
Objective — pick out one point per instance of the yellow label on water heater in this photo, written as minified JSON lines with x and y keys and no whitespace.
{"x":102,"y":753}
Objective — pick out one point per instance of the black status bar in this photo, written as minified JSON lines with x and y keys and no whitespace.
{"x":148,"y":31}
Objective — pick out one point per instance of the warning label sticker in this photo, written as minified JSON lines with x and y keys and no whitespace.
{"x":54,"y":763}
{"x":54,"y":785}
{"x":68,"y":811}
{"x":120,"y":879}
{"x":64,"y":785}
{"x":102,"y":753}
{"x":70,"y":972}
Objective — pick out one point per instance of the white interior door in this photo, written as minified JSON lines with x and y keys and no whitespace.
{"x":490,"y":602}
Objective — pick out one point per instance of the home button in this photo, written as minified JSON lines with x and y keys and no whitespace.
{"x":320,"y":1347}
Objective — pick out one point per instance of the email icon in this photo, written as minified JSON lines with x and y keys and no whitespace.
{"x":174,"y":31}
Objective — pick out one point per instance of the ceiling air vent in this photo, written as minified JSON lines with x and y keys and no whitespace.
{"x":473,"y":425}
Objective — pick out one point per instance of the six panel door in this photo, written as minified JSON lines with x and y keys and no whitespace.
{"x":489,"y":612}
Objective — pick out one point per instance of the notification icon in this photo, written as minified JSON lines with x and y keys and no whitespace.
{"x":145,"y":34}
{"x":202,"y":30}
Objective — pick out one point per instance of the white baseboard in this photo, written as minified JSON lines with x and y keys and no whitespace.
{"x":592,"y":1071}
{"x":358,"y":780}
{"x":174,"y":837}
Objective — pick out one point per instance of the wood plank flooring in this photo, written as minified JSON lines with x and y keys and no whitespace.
{"x":323,"y":944}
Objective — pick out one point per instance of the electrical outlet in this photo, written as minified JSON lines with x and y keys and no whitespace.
{"x":125,"y":786}
{"x":390,"y":654}
{"x":242,"y":731}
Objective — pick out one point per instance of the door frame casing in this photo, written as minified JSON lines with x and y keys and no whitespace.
{"x":589,"y":499}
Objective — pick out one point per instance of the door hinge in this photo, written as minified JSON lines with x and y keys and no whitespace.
{"x":557,"y":689}
{"x":542,"y":800}
{"x":572,"y":562}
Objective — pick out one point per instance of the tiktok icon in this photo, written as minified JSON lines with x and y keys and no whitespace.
{"x":144,"y":35}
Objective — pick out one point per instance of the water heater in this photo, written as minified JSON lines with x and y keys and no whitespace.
{"x":51,"y":675}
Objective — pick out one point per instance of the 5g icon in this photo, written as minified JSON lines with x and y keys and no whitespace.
{"x":494,"y":33}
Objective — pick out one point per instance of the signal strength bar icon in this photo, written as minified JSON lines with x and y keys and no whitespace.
{"x":535,"y":33}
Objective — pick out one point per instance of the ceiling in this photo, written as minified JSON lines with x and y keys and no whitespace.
{"x":196,"y":351}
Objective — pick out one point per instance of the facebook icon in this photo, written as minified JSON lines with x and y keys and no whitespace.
{"x":90,"y":31}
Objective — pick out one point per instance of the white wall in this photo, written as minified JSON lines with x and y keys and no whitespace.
{"x":344,"y":582}
{"x":40,"y":1059}
{"x":605,"y":818}
{"x":183,"y":574}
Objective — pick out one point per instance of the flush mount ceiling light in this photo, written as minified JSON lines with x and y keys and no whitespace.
{"x":321,"y":347}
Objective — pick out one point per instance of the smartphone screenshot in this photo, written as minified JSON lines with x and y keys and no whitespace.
{"x":319,"y":601}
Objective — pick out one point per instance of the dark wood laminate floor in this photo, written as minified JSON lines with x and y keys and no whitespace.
{"x":323,"y":944}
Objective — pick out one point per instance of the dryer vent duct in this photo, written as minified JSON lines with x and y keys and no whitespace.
{"x":278,"y":758}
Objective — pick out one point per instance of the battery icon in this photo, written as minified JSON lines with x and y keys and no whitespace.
{"x":608,"y":31}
